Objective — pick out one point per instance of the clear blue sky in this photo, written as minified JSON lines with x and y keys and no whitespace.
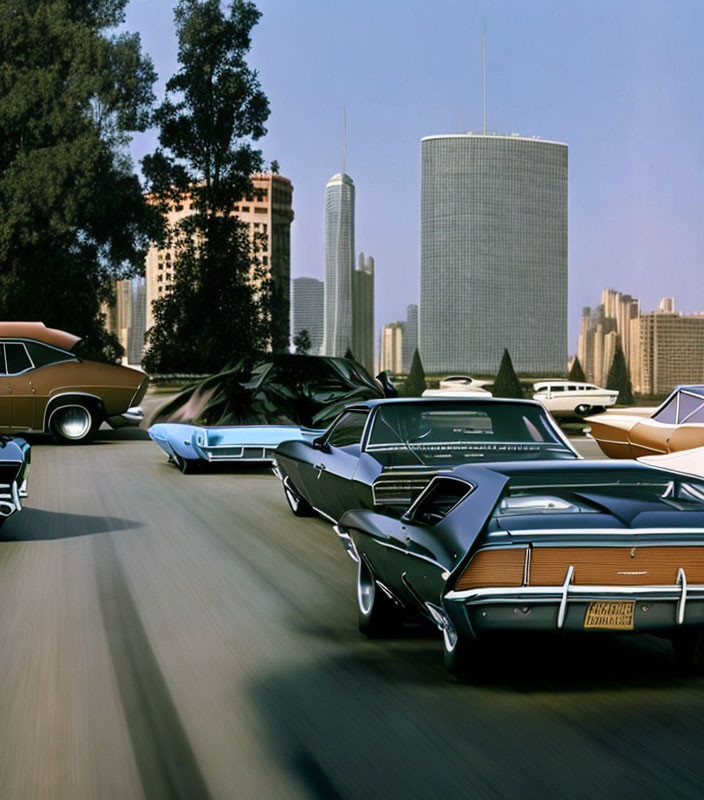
{"x":620,"y":81}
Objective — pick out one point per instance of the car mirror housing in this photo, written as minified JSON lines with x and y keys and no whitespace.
{"x":320,"y":444}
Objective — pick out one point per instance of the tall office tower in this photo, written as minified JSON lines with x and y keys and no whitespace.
{"x":667,"y":304}
{"x":672,"y":351}
{"x":307,"y":311}
{"x":126,"y":318}
{"x":617,"y":318}
{"x":363,"y":312}
{"x":493,"y":253}
{"x":339,"y":264}
{"x":410,"y":337}
{"x":268,"y":214}
{"x":390,"y":356}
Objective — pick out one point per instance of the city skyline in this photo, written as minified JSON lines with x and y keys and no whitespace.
{"x":615,"y":81}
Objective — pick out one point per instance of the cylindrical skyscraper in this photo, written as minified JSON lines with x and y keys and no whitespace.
{"x":339,"y":264}
{"x":493,"y":253}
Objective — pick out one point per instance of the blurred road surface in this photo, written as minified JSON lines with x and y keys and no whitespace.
{"x":170,"y":636}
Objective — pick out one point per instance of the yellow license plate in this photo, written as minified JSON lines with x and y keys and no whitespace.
{"x":610,"y":616}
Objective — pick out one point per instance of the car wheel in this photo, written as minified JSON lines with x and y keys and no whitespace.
{"x":73,"y":424}
{"x":688,"y":647}
{"x":582,"y":410}
{"x":298,"y":504}
{"x":377,"y":614}
{"x":462,"y":656}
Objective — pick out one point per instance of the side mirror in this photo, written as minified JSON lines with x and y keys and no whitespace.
{"x":387,"y":385}
{"x":321,"y":444}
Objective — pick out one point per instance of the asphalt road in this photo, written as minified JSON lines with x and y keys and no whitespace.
{"x":170,"y":636}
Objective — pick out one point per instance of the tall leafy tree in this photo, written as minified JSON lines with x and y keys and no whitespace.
{"x":507,"y":383}
{"x":619,"y":378}
{"x":415,"y":384}
{"x":220,"y":305}
{"x":302,"y":342}
{"x":72,"y":212}
{"x":576,"y":372}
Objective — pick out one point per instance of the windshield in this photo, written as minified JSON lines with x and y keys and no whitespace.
{"x":462,"y":431}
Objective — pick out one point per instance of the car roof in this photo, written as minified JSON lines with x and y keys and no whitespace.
{"x":479,"y":400}
{"x":696,"y":388}
{"x":39,"y":332}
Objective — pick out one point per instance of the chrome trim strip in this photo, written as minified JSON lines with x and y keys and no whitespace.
{"x":514,"y":594}
{"x":682,"y":581}
{"x":526,"y":566}
{"x":407,"y":553}
{"x":350,"y":548}
{"x":602,"y":532}
{"x":565,"y":591}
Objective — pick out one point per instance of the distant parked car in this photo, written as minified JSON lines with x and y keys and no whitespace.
{"x":15,"y":459}
{"x":573,"y":397}
{"x":458,"y":386}
{"x":676,"y":425}
{"x":243,"y":413}
{"x":45,"y":387}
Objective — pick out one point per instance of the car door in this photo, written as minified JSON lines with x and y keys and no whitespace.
{"x":20,"y":389}
{"x":652,"y":436}
{"x":335,"y":462}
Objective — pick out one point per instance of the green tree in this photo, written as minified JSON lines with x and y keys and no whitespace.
{"x":302,"y":342}
{"x":619,"y":378}
{"x":220,"y":305}
{"x":415,"y":384}
{"x":72,"y":212}
{"x":507,"y":383}
{"x":576,"y":372}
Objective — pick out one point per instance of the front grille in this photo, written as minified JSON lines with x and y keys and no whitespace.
{"x":400,"y":489}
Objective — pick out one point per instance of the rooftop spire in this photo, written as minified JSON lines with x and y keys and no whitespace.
{"x":344,"y":139}
{"x":484,"y":76}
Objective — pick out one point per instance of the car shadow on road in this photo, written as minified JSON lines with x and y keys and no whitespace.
{"x":107,"y":436}
{"x":37,"y":525}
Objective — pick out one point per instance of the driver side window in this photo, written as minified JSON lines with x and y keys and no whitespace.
{"x":348,"y":429}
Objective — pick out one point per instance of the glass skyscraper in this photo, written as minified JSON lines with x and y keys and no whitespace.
{"x":493,"y":253}
{"x":339,"y":264}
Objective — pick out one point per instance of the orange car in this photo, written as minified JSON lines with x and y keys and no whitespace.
{"x":44,"y":387}
{"x":676,"y":425}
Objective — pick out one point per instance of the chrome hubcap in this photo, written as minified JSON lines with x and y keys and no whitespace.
{"x":73,"y":422}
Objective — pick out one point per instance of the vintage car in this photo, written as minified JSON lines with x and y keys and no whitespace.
{"x":243,"y":413}
{"x":678,"y":424}
{"x":15,"y":462}
{"x":45,"y":387}
{"x":575,"y":546}
{"x":382,"y":453}
{"x":572,"y":397}
{"x":459,"y":386}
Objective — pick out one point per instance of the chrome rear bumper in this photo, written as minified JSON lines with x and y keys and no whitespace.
{"x":133,"y":417}
{"x":10,"y":501}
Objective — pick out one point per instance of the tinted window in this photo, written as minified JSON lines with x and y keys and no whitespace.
{"x":17,"y":358}
{"x":42,"y":355}
{"x":440,"y":498}
{"x":668,"y":413}
{"x":688,"y":405}
{"x":348,"y":430}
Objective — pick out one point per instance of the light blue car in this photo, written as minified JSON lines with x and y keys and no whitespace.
{"x":242,"y":414}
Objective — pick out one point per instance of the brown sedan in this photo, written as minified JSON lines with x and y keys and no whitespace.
{"x":44,"y":387}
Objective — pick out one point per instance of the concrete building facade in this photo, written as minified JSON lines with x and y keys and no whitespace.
{"x":410,"y":337}
{"x":493,"y":253}
{"x":672,"y":351}
{"x":126,"y":318}
{"x":391,"y":349}
{"x":363,"y":312}
{"x":307,"y":311}
{"x":339,"y":264}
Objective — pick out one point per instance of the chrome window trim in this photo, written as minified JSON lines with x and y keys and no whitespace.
{"x":24,"y":340}
{"x":698,"y":408}
{"x":4,"y":360}
{"x":24,"y":347}
{"x":353,"y":410}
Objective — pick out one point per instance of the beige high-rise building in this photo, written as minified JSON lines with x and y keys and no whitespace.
{"x":268,"y":214}
{"x":601,"y":328}
{"x":391,"y":351}
{"x":672,"y":350}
